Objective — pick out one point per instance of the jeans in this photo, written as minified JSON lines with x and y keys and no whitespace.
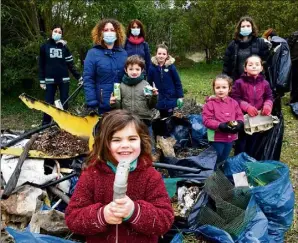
{"x":50,"y":97}
{"x":151,"y":134}
{"x":222,"y":149}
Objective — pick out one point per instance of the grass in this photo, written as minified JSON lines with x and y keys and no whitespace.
{"x":196,"y":79}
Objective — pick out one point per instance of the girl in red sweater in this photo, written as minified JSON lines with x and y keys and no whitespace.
{"x":145,"y":212}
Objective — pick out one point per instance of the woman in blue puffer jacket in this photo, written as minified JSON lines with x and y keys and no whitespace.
{"x":104,"y":64}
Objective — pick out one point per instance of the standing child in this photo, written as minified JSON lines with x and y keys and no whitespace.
{"x":137,"y":95}
{"x":223,"y":117}
{"x":166,"y":78}
{"x":253,"y":93}
{"x":145,"y":212}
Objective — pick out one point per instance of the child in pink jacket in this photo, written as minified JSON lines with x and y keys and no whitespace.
{"x":223,"y":117}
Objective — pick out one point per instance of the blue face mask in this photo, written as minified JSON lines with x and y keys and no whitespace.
{"x":245,"y":31}
{"x":56,"y":36}
{"x":109,"y":37}
{"x":135,"y":31}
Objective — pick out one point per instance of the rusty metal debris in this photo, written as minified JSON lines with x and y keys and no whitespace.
{"x":59,"y":142}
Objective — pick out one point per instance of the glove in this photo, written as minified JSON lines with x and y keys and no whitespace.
{"x":266,"y":111}
{"x":252,"y":111}
{"x":80,"y":81}
{"x":180,"y":103}
{"x":238,"y":128}
{"x":43,"y":86}
{"x":224,"y":127}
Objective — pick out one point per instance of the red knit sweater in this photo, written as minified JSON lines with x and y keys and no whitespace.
{"x":152,"y":217}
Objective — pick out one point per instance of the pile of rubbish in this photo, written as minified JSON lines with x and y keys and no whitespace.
{"x":57,"y":142}
{"x":40,"y":173}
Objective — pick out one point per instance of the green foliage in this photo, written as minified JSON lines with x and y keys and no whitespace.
{"x":186,"y":26}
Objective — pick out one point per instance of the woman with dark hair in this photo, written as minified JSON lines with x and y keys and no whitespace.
{"x":54,"y":61}
{"x":136,"y":44}
{"x":245,"y":43}
{"x":104,"y":64}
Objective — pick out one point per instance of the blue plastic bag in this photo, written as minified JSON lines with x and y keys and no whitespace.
{"x":198,"y":130}
{"x":28,"y":237}
{"x":276,"y":199}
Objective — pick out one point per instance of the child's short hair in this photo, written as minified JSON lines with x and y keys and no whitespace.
{"x":254,"y":55}
{"x":163,"y":46}
{"x":109,"y":124}
{"x":225,"y":77}
{"x":135,"y":59}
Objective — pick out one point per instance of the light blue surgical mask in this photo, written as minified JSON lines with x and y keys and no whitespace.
{"x":109,"y":37}
{"x":56,"y":36}
{"x":135,"y":31}
{"x":245,"y":31}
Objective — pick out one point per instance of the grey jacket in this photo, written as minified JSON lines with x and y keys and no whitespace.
{"x":134,"y":100}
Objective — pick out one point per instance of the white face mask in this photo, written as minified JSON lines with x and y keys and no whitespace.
{"x":56,"y":36}
{"x":245,"y":31}
{"x":135,"y":31}
{"x":109,"y":37}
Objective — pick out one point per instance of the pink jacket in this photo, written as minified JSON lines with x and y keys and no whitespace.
{"x":216,"y":111}
{"x":249,"y":91}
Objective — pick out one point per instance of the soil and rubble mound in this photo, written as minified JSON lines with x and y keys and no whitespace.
{"x":57,"y":142}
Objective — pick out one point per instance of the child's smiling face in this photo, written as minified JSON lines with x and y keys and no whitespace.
{"x":253,"y":66}
{"x":126,"y":144}
{"x":161,"y":55}
{"x":133,"y":71}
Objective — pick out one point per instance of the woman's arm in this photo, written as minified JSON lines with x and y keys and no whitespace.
{"x":42,"y":64}
{"x":147,"y":56}
{"x":70,"y":64}
{"x":84,"y":216}
{"x":89,"y":80}
{"x":228,"y":60}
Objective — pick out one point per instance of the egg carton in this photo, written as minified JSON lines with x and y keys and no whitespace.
{"x":259,"y":123}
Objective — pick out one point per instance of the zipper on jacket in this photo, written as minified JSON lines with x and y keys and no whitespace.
{"x":101,"y":98}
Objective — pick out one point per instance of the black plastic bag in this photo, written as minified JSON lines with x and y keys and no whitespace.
{"x":205,"y":161}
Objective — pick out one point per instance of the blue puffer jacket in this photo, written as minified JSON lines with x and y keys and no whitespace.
{"x":102,"y":68}
{"x":141,"y":49}
{"x":167,"y":81}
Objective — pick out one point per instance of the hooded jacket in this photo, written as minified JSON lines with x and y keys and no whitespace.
{"x":102,"y":68}
{"x":134,"y":100}
{"x":252,"y":91}
{"x":167,"y":81}
{"x":153,"y":214}
{"x":216,"y":111}
{"x":238,"y":50}
{"x":54,"y":61}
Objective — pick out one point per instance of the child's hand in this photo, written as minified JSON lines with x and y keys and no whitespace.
{"x":252,"y":111}
{"x":124,"y":207}
{"x":109,"y":215}
{"x":112,"y":99}
{"x":266,"y":111}
{"x":155,"y":91}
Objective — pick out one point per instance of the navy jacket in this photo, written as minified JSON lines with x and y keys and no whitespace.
{"x":256,"y":46}
{"x":102,"y":68}
{"x":54,"y":61}
{"x":141,"y":50}
{"x":168,"y":83}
